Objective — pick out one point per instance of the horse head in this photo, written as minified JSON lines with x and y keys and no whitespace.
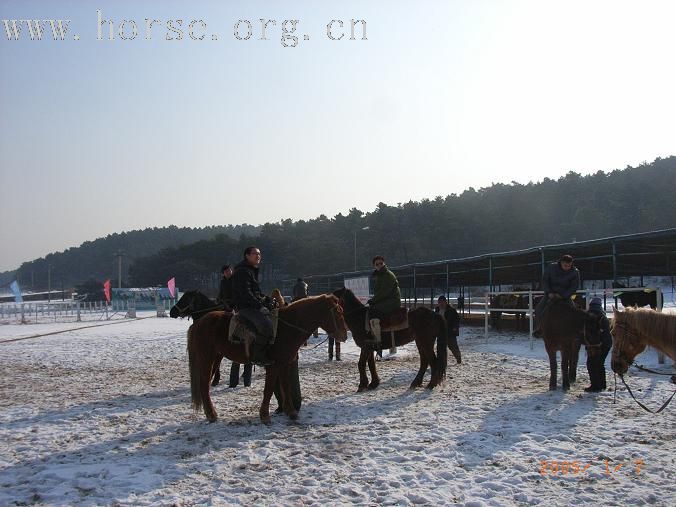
{"x":192,"y":301}
{"x":335,"y":322}
{"x":625,"y":345}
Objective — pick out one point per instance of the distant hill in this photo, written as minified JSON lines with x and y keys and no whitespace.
{"x":494,"y":219}
{"x":96,"y":259}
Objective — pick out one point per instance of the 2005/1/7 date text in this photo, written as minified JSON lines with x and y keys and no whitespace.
{"x":576,"y":468}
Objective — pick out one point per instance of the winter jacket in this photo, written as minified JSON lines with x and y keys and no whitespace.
{"x":386,"y":295}
{"x":246,"y":291}
{"x":225,"y":292}
{"x":299,"y":291}
{"x":563,"y":283}
{"x":606,"y":338}
{"x":452,"y":320}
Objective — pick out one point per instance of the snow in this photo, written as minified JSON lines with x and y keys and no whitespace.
{"x":101,"y":415}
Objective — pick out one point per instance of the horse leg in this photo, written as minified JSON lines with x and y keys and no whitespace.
{"x":424,"y":363}
{"x":271,"y":375}
{"x":217,"y":372}
{"x":565,"y":369}
{"x":552,"y":369}
{"x":574,"y":359}
{"x":289,"y":409}
{"x":363,"y":379}
{"x":375,"y":379}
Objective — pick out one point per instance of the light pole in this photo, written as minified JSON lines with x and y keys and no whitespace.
{"x":355,"y":245}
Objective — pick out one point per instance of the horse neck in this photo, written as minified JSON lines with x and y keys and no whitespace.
{"x":665,"y":343}
{"x":306,"y":317}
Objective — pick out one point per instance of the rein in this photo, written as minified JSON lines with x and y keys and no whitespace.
{"x":664,"y":405}
{"x":334,"y":309}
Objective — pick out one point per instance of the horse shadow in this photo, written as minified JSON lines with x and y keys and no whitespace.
{"x":103,"y":408}
{"x":164,"y":452}
{"x":513,"y":426}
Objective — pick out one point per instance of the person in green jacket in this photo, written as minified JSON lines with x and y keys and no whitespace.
{"x":386,"y":295}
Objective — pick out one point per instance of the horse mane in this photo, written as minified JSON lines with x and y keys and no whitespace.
{"x":302,"y":303}
{"x":351,"y":298}
{"x":660,"y":326}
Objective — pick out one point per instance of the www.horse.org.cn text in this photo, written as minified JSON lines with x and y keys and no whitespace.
{"x":287,"y":32}
{"x":581,"y":468}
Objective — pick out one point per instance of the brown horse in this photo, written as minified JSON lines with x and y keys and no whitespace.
{"x":208,"y":343}
{"x":634,"y":329}
{"x":424,"y":327}
{"x":564,"y":329}
{"x":195,"y":305}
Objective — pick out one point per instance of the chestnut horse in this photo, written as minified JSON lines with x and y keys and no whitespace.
{"x":634,"y":329}
{"x":424,"y":327}
{"x":208,"y":343}
{"x":565,"y":328}
{"x":194,"y":304}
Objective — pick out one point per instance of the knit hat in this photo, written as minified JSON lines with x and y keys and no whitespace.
{"x":596,"y":302}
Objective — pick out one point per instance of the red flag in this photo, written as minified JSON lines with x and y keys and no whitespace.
{"x":171,"y":285}
{"x":106,"y":290}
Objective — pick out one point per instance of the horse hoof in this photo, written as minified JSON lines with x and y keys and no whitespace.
{"x":552,"y":388}
{"x":212,"y":419}
{"x":215,"y":383}
{"x":566,"y":388}
{"x":373,"y":385}
{"x":293,"y":415}
{"x":266,"y":420}
{"x":361,"y":389}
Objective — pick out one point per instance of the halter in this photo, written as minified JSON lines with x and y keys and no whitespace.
{"x":620,"y":355}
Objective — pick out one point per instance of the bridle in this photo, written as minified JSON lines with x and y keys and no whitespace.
{"x":623,"y":357}
{"x":335,"y":308}
{"x":188,"y":309}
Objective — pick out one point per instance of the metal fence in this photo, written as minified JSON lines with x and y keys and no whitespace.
{"x":73,"y":311}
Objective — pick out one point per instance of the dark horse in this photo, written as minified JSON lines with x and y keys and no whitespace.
{"x":510,"y":303}
{"x":565,"y":328}
{"x":208,"y":343}
{"x":647,"y":297}
{"x":424,"y":327}
{"x":194,"y":304}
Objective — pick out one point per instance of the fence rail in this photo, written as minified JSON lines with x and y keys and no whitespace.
{"x":73,"y":311}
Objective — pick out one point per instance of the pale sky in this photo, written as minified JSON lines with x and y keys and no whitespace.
{"x":100,"y":136}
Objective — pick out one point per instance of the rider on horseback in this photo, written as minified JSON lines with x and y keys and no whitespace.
{"x":386,"y":295}
{"x":252,"y":304}
{"x":559,"y":282}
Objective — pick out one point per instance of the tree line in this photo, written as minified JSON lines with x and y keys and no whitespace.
{"x":498,"y":218}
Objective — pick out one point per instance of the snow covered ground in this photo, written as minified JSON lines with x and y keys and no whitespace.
{"x":102,"y":416}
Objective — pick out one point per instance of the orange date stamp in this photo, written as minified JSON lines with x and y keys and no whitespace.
{"x":577,"y":468}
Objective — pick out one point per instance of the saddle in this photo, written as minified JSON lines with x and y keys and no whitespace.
{"x":243,"y":331}
{"x":392,"y":322}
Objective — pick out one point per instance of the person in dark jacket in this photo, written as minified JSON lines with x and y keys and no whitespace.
{"x":560,"y":281}
{"x":252,"y":304}
{"x":596,"y":363}
{"x":386,"y":296}
{"x":225,"y":290}
{"x":299,"y":290}
{"x":225,"y":298}
{"x":452,"y":319}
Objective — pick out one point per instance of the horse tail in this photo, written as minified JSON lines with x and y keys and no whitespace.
{"x":195,"y":380}
{"x":442,"y":352}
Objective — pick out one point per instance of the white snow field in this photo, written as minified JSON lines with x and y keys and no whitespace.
{"x":102,"y":416}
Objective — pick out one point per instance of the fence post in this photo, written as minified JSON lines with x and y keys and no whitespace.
{"x":530,"y":317}
{"x":23,"y":316}
{"x":79,"y":318}
{"x":658,"y":307}
{"x":486,"y":318}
